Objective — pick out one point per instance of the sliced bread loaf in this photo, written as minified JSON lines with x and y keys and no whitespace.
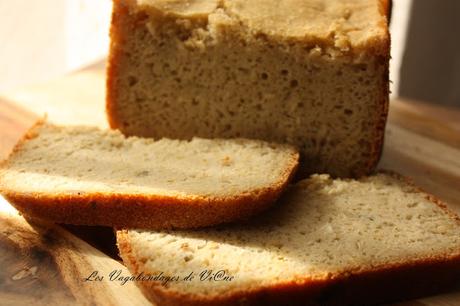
{"x":328,"y":242}
{"x":83,"y":175}
{"x":313,"y":73}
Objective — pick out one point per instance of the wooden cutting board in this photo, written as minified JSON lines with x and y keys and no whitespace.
{"x":44,"y":264}
{"x":47,"y":264}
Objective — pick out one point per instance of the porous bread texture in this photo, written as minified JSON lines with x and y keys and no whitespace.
{"x":84,"y":175}
{"x":310,"y":73}
{"x":322,"y":234}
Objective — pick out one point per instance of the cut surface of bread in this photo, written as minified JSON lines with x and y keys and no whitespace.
{"x":328,"y":242}
{"x":310,"y":73}
{"x":83,"y":175}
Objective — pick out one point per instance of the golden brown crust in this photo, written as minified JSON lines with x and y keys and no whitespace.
{"x":140,"y":211}
{"x":113,"y":62}
{"x":384,"y":58}
{"x":385,"y":283}
{"x":386,"y":6}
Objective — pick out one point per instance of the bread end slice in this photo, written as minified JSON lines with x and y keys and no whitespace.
{"x":83,"y":175}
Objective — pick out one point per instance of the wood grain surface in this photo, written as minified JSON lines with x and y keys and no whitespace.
{"x":44,"y":264}
{"x":422,"y":141}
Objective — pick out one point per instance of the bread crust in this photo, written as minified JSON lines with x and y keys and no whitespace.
{"x":139,"y":210}
{"x":377,"y":146}
{"x":380,"y":284}
{"x":113,"y":62}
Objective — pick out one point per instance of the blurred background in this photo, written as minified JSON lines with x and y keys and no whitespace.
{"x":43,"y":39}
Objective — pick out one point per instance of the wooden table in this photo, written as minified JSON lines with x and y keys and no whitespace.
{"x":47,"y":264}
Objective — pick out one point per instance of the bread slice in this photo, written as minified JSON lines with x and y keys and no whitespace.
{"x":329,"y":242}
{"x":312,"y":73}
{"x":83,"y":175}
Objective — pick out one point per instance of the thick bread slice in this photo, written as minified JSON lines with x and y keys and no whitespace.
{"x":83,"y":175}
{"x":328,"y":242}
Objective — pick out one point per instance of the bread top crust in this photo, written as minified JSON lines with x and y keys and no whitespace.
{"x":348,"y":26}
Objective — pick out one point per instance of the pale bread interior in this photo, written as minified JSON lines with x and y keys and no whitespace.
{"x":321,"y":228}
{"x":81,"y":160}
{"x":309,"y":73}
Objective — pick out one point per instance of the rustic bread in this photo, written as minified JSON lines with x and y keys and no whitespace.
{"x":328,"y":242}
{"x":83,"y":175}
{"x":310,"y":73}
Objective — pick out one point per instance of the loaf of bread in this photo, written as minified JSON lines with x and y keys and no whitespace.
{"x":83,"y":175}
{"x":329,"y":242}
{"x":312,"y":73}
